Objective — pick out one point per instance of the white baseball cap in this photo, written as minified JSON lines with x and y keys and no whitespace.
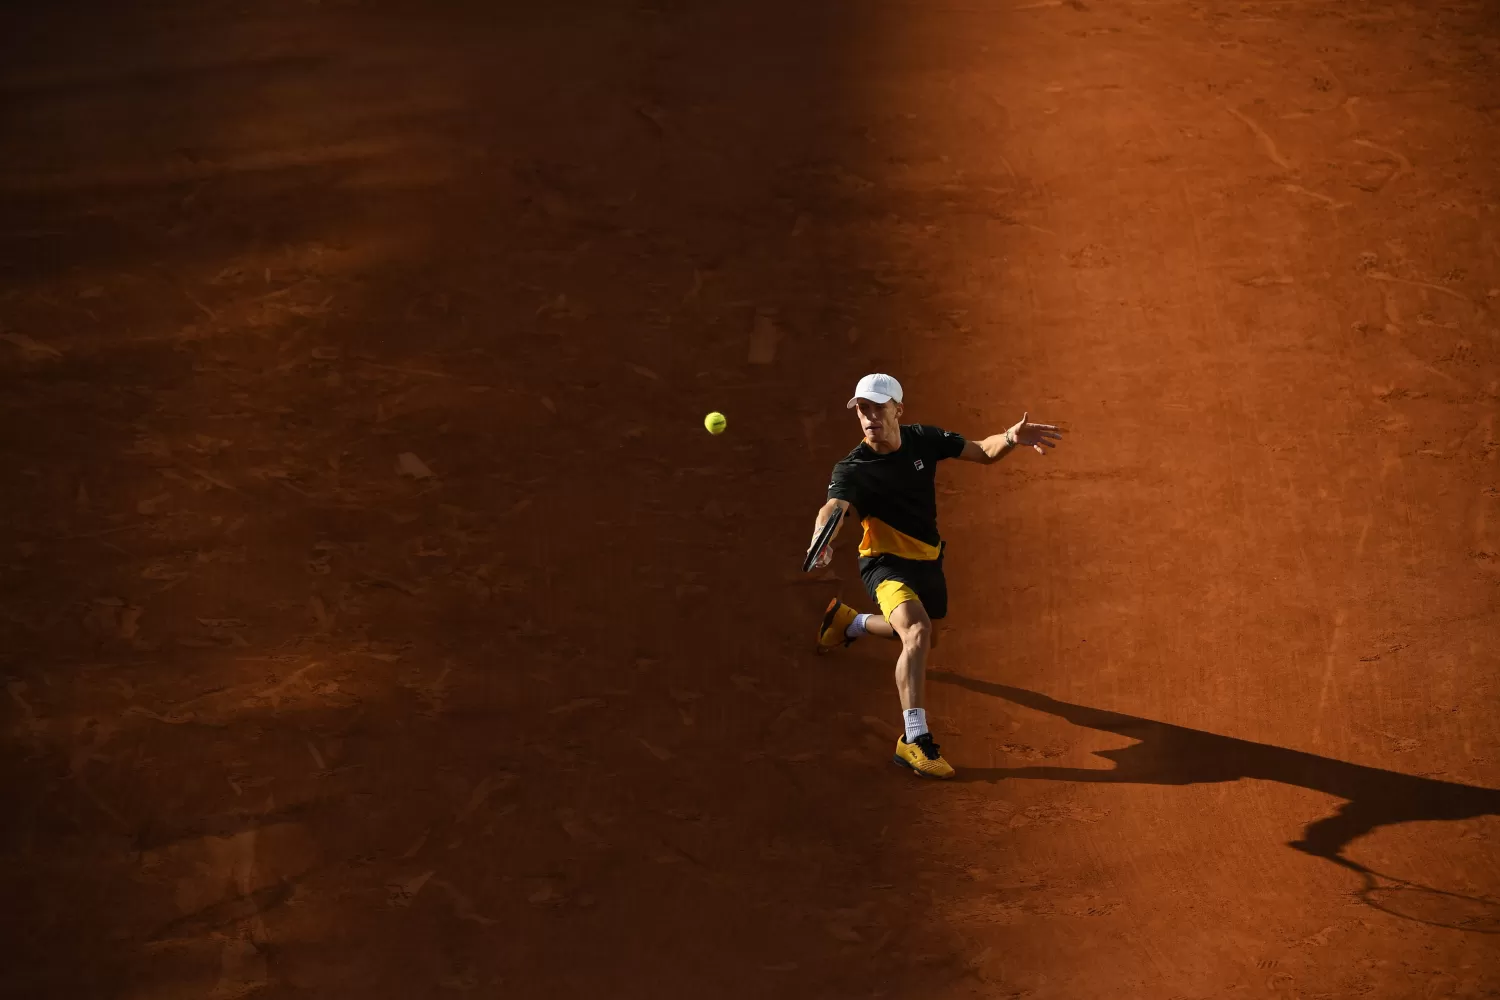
{"x":877,"y":389}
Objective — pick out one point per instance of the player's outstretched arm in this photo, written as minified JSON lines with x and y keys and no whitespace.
{"x":824,"y":513}
{"x":1023,"y":434}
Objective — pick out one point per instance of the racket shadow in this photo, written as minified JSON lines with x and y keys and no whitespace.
{"x":1165,"y":754}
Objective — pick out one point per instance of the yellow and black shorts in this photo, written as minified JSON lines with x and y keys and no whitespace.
{"x":892,"y":581}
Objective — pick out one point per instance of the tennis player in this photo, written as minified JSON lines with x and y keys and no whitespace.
{"x":888,"y":483}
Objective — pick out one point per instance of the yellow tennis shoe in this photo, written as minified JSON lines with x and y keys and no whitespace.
{"x":921,"y":755}
{"x":836,"y":622}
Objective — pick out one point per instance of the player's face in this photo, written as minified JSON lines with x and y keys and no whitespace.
{"x":880,"y":421}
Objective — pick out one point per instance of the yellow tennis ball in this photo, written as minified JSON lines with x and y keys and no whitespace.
{"x":715,"y":422}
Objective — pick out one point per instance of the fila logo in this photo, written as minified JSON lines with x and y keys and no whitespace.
{"x":918,"y":464}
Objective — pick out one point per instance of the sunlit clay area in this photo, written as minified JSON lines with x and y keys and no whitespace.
{"x":726,"y":500}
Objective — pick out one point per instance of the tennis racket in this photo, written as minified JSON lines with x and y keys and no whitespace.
{"x":821,"y":543}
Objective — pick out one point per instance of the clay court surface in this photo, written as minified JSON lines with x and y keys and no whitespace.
{"x":533,"y":710}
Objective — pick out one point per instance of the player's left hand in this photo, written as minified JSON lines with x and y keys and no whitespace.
{"x":825,"y":558}
{"x":1037,"y":436}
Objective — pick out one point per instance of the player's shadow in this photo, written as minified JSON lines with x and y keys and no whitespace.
{"x":1164,"y":754}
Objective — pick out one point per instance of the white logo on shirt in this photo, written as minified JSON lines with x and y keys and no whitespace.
{"x":918,"y":464}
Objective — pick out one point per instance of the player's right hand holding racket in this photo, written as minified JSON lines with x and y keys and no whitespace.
{"x":820,"y":553}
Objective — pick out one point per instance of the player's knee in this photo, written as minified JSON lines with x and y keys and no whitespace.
{"x":917,"y":634}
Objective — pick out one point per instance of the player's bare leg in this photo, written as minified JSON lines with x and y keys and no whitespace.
{"x":842,"y":625}
{"x":877,"y":626}
{"x":911,"y":624}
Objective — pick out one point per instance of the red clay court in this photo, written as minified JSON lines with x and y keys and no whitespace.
{"x":379,"y":621}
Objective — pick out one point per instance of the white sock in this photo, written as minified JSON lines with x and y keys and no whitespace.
{"x":916,"y":723}
{"x":857,"y":627}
